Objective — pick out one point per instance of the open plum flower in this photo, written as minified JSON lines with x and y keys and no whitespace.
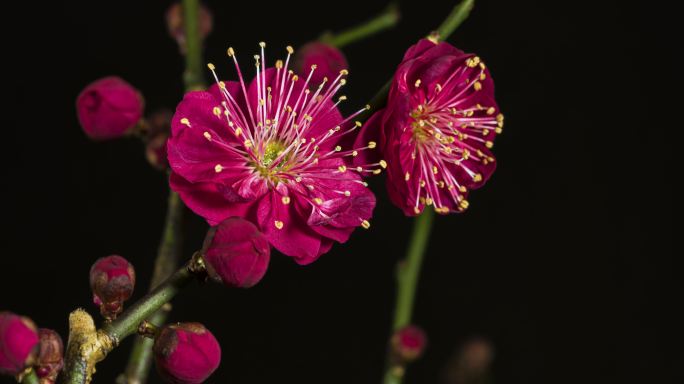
{"x":437,"y":129}
{"x":270,"y":152}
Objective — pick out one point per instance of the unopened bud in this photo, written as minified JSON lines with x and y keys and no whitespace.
{"x":186,"y":353}
{"x":18,"y":343}
{"x":408,"y":343}
{"x":109,"y":108}
{"x":236,"y":253}
{"x":155,"y":151}
{"x":176,"y":25}
{"x":51,"y":356}
{"x":327,"y":60}
{"x":112,"y":280}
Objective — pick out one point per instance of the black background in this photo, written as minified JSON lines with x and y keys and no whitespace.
{"x":565,"y":260}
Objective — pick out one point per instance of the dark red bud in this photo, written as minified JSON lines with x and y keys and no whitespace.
{"x":186,"y":353}
{"x":408,"y":343}
{"x":155,"y":151}
{"x":329,"y":61}
{"x":236,"y":253}
{"x":175,"y":24}
{"x":51,"y":356}
{"x":18,"y":343}
{"x":112,"y":280}
{"x":109,"y":108}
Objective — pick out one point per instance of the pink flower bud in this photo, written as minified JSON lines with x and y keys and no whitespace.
{"x":51,"y":356}
{"x":408,"y":343}
{"x":109,"y":108}
{"x":186,"y":353}
{"x":176,"y":27}
{"x":329,"y":61}
{"x":18,"y":343}
{"x":236,"y":253}
{"x":112,"y":280}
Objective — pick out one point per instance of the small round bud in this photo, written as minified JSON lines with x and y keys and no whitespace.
{"x":112,"y":280}
{"x":176,"y":27}
{"x":186,"y":353}
{"x":51,"y":356}
{"x":155,"y":151}
{"x":236,"y":253}
{"x":328,"y":61}
{"x":408,"y":343}
{"x":18,"y":343}
{"x":109,"y":108}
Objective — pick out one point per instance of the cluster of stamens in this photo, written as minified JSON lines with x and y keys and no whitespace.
{"x":279,"y":136}
{"x":445,"y":132}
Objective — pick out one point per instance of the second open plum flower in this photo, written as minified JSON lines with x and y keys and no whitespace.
{"x":271,"y":152}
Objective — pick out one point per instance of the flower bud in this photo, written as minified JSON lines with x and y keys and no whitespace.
{"x":176,"y":27}
{"x":51,"y":356}
{"x":18,"y":343}
{"x":329,"y":61}
{"x":236,"y":253}
{"x":186,"y":353}
{"x":408,"y":343}
{"x":155,"y":151}
{"x":112,"y":280}
{"x":109,"y":108}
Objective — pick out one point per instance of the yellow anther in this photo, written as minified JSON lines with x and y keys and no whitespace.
{"x":318,"y":200}
{"x":285,"y":200}
{"x":477,"y":177}
{"x":262,"y":44}
{"x":344,"y":72}
{"x":278,"y":224}
{"x":489,"y":144}
{"x":185,"y":121}
{"x":477,"y":86}
{"x":338,"y":148}
{"x":435,"y":170}
{"x":230,"y":51}
{"x":372,"y":144}
{"x":383,"y":164}
{"x":248,"y":143}
{"x":498,"y":130}
{"x":417,"y":83}
{"x":357,"y":124}
{"x":500,"y":118}
{"x":217,"y":111}
{"x":211,"y":66}
{"x":342,"y":168}
{"x":491,"y":110}
{"x":416,"y":210}
{"x":347,"y":193}
{"x":365,"y":224}
{"x":207,"y":135}
{"x":342,"y":98}
{"x":218,"y":168}
{"x":464,"y":204}
{"x":355,"y":153}
{"x":377,"y":171}
{"x":407,"y":176}
{"x":428,"y":201}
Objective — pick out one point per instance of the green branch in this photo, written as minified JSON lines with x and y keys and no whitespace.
{"x":385,"y":20}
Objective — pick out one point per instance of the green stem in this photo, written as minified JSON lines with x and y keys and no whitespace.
{"x":193,"y":57}
{"x":141,"y":355}
{"x":386,"y":20}
{"x":30,"y":378}
{"x":127,"y":324}
{"x":167,"y":260}
{"x":457,"y":16}
{"x":408,"y":271}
